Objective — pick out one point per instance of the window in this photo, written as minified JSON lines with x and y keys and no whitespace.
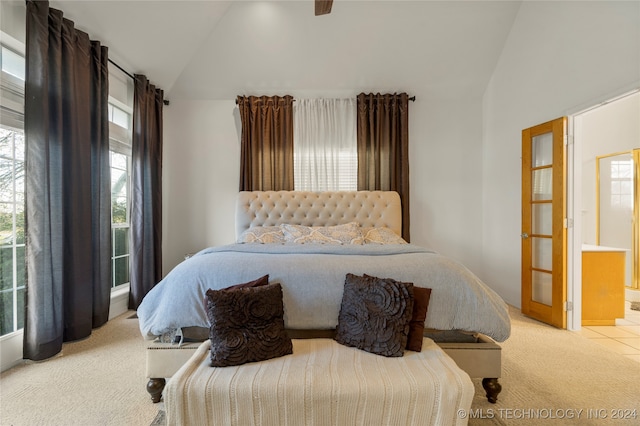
{"x":120,"y":218}
{"x":12,"y":232}
{"x":337,"y":172}
{"x":622,"y":184}
{"x":120,"y":135}
{"x":12,"y":63}
{"x":325,"y":155}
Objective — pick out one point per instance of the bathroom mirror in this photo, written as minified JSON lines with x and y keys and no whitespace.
{"x":617,"y":207}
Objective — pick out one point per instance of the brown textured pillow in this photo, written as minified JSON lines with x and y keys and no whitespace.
{"x":421,"y":298}
{"x":375,"y":314}
{"x":264,"y":280}
{"x":247,"y":325}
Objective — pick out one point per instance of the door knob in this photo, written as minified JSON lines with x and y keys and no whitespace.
{"x":525,"y":235}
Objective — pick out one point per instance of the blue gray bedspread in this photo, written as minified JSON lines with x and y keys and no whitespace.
{"x":312,"y":279}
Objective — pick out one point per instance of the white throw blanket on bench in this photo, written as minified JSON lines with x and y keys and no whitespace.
{"x":322,"y":383}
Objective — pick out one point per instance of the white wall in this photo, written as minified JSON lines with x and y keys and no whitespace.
{"x":559,"y":56}
{"x":446,"y":178}
{"x":201,"y":176}
{"x":201,"y":160}
{"x":608,"y":129}
{"x":12,"y":19}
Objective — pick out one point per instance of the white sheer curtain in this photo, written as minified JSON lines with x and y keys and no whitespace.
{"x":325,"y":145}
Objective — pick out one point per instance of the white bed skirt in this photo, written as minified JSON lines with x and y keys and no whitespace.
{"x":321,"y":383}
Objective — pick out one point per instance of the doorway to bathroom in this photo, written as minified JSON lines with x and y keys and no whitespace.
{"x":605,"y":207}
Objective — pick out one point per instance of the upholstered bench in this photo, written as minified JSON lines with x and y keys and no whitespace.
{"x":480,"y":359}
{"x":321,"y":383}
{"x":163,"y":360}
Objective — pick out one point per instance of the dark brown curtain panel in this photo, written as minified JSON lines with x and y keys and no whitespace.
{"x":383,"y":147}
{"x":67,"y":186}
{"x":266,"y":158}
{"x":146,"y":195}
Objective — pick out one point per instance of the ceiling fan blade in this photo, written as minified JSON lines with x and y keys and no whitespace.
{"x":323,"y":7}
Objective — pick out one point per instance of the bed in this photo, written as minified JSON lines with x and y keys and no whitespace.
{"x":308,"y":242}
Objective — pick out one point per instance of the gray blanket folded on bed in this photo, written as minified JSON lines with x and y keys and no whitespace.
{"x":312,"y":279}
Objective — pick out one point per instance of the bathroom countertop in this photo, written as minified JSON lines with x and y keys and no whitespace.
{"x":591,"y":247}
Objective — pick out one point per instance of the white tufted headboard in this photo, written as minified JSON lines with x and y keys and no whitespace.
{"x":271,"y":208}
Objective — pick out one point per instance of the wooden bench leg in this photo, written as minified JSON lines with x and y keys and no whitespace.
{"x":155,"y":388}
{"x":493,"y":388}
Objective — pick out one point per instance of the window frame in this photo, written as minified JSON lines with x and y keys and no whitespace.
{"x":12,"y":119}
{"x":120,"y":140}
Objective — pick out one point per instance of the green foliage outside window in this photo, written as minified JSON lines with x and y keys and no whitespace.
{"x":12,"y":231}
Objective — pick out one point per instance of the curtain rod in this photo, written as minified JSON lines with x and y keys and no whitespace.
{"x":412,"y":98}
{"x":122,"y":69}
{"x":164,"y":101}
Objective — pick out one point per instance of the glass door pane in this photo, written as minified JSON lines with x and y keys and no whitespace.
{"x":541,"y":253}
{"x":542,"y":184}
{"x":541,"y":287}
{"x":541,"y":217}
{"x":542,"y":150}
{"x":541,"y":262}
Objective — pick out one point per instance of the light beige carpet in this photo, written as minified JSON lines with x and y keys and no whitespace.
{"x":557,"y":377}
{"x":547,"y":374}
{"x":97,"y":381}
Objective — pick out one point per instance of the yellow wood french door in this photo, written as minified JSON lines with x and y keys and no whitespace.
{"x":544,"y":236}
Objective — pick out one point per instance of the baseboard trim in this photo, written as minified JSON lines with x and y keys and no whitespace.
{"x":632,"y":295}
{"x":11,"y":350}
{"x":119,"y":302}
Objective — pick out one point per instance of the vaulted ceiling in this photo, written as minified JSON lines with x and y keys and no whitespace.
{"x":219,"y":49}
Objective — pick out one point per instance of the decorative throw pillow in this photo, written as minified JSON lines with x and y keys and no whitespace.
{"x":421,"y":298}
{"x":247,"y":325}
{"x":262,"y":235}
{"x":381,"y":236}
{"x":264,"y":280}
{"x":349,"y":233}
{"x":374,"y":315}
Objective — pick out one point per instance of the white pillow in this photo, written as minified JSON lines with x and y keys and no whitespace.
{"x":262,"y":235}
{"x":348,"y":233}
{"x":381,"y":235}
